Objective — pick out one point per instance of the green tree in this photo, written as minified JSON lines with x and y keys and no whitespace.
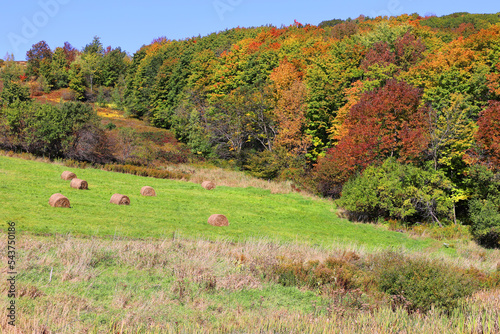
{"x":90,"y":65}
{"x":59,"y":69}
{"x":90,"y":60}
{"x":483,"y":188}
{"x":77,"y":81}
{"x":94,"y":47}
{"x":113,"y":65}
{"x":14,"y":91}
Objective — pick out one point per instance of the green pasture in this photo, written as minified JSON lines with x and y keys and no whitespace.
{"x":180,"y":208}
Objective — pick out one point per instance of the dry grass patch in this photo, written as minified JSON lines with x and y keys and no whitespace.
{"x":223,"y":177}
{"x":195,"y":298}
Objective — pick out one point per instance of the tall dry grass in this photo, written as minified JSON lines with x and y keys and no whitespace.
{"x":224,"y":177}
{"x":200,"y":269}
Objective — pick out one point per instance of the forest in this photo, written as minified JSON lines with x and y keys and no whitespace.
{"x":397,"y":118}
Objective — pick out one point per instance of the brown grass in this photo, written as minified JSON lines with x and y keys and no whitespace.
{"x":67,"y":175}
{"x":79,"y":184}
{"x":200,"y":269}
{"x":119,"y":199}
{"x":59,"y":201}
{"x":209,"y":185}
{"x":148,"y":191}
{"x":228,"y":178}
{"x":218,"y":220}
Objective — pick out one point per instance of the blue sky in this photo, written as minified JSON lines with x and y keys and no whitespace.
{"x":130,"y":24}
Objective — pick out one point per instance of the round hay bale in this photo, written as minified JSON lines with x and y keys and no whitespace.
{"x":209,"y":185}
{"x":148,"y":191}
{"x":79,"y":184}
{"x":59,"y":201}
{"x":120,"y":199}
{"x":218,"y":220}
{"x":67,"y":175}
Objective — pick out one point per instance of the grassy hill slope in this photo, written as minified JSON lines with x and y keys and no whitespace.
{"x":180,"y":207}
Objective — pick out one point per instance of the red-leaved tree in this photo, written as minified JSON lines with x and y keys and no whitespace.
{"x":386,"y":122}
{"x":488,"y":134}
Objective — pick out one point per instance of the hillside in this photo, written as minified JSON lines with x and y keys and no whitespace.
{"x":180,"y":208}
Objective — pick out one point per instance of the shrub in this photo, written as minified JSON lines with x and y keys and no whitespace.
{"x":394,"y":190}
{"x":13,"y":92}
{"x":278,"y":163}
{"x":483,"y":206}
{"x":68,"y":95}
{"x":264,"y":165}
{"x":110,"y":126}
{"x":70,"y":130}
{"x":419,"y":284}
{"x":90,"y":143}
{"x":485,"y":227}
{"x":335,"y":272}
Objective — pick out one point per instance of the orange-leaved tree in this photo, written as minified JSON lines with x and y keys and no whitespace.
{"x":289,"y":109}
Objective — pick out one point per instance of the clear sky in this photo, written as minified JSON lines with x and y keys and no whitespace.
{"x":130,"y":24}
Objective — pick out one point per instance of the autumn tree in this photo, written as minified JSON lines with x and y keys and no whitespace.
{"x":70,"y":52}
{"x":386,"y":122}
{"x":451,"y":133}
{"x":39,"y":58}
{"x":290,"y":110}
{"x":488,"y":134}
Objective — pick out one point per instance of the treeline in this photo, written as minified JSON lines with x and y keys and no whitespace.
{"x":398,"y":117}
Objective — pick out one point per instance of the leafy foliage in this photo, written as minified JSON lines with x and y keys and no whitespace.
{"x":70,"y":130}
{"x":419,"y":284}
{"x":385,"y":122}
{"x":398,"y":191}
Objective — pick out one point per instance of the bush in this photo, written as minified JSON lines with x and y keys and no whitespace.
{"x":68,"y":95}
{"x":278,"y":163}
{"x":110,"y":126}
{"x":70,"y":130}
{"x":90,"y":143}
{"x":485,"y":227}
{"x":398,"y":191}
{"x":14,"y":92}
{"x":484,"y":205}
{"x":419,"y":284}
{"x":103,"y":97}
{"x":264,"y":165}
{"x":335,"y":272}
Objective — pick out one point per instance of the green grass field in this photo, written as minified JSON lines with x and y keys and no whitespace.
{"x":180,"y":207}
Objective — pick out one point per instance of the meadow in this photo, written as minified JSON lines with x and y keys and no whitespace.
{"x":179,"y":207}
{"x":156,"y":266}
